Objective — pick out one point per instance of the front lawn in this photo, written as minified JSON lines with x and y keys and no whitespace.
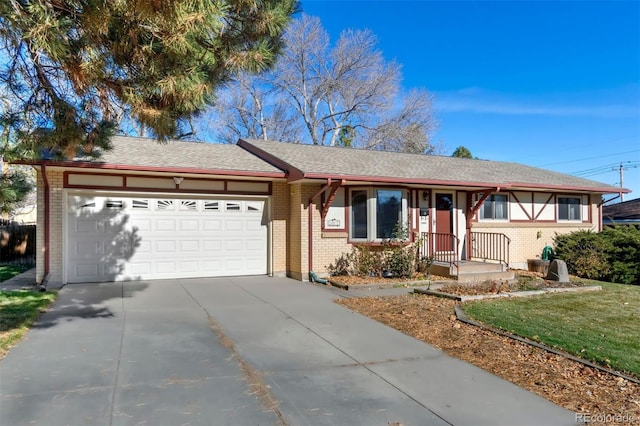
{"x":601,"y":326}
{"x":10,"y":271}
{"x":18,"y":310}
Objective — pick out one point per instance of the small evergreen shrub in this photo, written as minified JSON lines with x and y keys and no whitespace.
{"x":611,"y":255}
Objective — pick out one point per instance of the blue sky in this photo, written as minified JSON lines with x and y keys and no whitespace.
{"x":551,"y":84}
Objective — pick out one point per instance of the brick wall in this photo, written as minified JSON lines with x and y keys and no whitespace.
{"x":326,"y":246}
{"x":528,"y":239}
{"x":54,"y":278}
{"x":298,"y":231}
{"x":40,"y":254}
{"x":280,"y":217}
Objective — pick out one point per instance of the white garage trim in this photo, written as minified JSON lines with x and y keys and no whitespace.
{"x":123,"y":236}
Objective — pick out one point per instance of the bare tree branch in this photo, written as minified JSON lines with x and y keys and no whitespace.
{"x":317,"y":92}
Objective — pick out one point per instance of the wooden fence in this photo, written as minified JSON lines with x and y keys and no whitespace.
{"x":17,"y":243}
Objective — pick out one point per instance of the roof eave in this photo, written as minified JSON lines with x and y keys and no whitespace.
{"x":601,"y":190}
{"x":472,"y":184}
{"x":292,"y":172}
{"x":132,"y":168}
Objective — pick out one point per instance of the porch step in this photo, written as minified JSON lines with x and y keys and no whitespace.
{"x":471,"y":271}
{"x":471,"y":267}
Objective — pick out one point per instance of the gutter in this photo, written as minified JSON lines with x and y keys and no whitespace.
{"x":133,"y":168}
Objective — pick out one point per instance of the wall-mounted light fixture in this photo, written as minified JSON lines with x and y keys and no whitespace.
{"x":178,"y":180}
{"x":425,"y":195}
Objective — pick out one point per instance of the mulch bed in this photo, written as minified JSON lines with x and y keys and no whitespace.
{"x":354,"y":280}
{"x":499,"y":286}
{"x":567,"y":383}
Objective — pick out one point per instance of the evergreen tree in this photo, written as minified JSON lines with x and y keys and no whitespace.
{"x":462,"y":152}
{"x":74,"y":69}
{"x":14,"y":187}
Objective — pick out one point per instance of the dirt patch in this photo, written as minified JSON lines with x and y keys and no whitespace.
{"x":567,"y":383}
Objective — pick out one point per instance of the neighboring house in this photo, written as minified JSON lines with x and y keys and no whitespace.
{"x":625,"y":213}
{"x":186,"y":209}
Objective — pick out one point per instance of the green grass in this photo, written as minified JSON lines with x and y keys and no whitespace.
{"x":10,"y":271}
{"x":601,"y":326}
{"x":18,"y":311}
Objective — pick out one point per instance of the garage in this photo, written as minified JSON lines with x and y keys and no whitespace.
{"x":116,"y":238}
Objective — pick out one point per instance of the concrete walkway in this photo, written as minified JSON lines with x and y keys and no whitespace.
{"x":23,"y":281}
{"x":242,"y":351}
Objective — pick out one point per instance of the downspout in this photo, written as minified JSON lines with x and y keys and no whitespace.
{"x":45,"y":180}
{"x":310,"y":224}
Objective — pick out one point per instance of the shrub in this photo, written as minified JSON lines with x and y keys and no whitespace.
{"x":624,"y":253}
{"x":400,"y":258}
{"x":365,"y":261}
{"x":361,"y":261}
{"x":610,"y":255}
{"x":584,"y":253}
{"x":395,"y":256}
{"x":341,"y":267}
{"x":400,"y":261}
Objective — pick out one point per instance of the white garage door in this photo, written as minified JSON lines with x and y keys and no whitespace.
{"x":130,"y":238}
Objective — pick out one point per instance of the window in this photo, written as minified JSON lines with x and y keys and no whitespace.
{"x":140,"y":204}
{"x":359,"y":215}
{"x":114,"y":204}
{"x":254,"y":206}
{"x":388,"y":212}
{"x":569,"y":208}
{"x":495,"y":207}
{"x":211,"y":206}
{"x":164,"y":205}
{"x":375,"y":213}
{"x":188,"y":205}
{"x":232,"y":207}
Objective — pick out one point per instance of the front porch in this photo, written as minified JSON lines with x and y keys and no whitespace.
{"x":480,"y":256}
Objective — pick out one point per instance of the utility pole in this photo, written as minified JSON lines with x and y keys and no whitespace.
{"x":621,"y":168}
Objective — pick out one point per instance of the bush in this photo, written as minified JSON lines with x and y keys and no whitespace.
{"x":342,"y":266}
{"x":361,"y":261}
{"x":611,"y":255}
{"x":624,"y":253}
{"x":365,"y":261}
{"x":395,"y":256}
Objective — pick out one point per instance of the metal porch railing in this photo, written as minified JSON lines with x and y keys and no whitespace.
{"x":442,"y":247}
{"x":490,"y":246}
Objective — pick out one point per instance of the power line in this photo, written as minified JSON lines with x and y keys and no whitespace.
{"x":604,"y":169}
{"x":590,"y":158}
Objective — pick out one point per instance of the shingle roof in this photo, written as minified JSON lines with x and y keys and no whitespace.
{"x":136,"y":152}
{"x":356,"y":164}
{"x":622,"y":211}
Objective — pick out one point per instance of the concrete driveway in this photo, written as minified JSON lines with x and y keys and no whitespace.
{"x":241,"y":351}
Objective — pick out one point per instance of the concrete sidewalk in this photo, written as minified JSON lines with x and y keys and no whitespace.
{"x":23,"y":281}
{"x":191,"y":352}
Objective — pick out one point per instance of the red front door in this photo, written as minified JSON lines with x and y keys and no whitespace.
{"x":444,"y":222}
